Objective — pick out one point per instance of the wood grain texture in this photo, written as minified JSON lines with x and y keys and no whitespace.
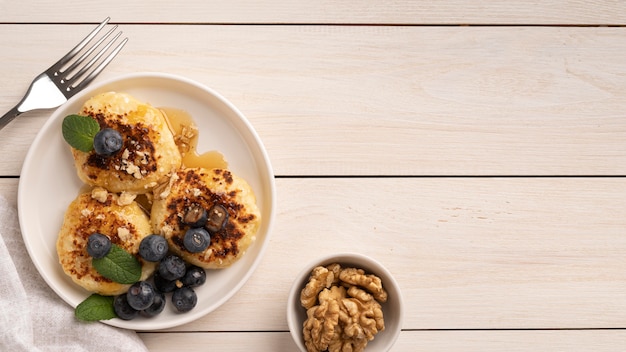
{"x":380,"y":100}
{"x":432,"y":341}
{"x":419,"y":12}
{"x":468,"y":253}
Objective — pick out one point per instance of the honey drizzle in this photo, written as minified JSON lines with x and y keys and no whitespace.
{"x":178,"y":121}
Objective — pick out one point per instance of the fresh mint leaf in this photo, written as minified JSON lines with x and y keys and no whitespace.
{"x":79,"y":131}
{"x":95,"y":307}
{"x":119,"y":266}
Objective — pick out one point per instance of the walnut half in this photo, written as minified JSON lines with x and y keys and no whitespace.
{"x":319,"y":279}
{"x":343,"y":309}
{"x":323,"y":319}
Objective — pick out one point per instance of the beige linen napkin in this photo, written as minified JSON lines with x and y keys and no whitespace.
{"x":32,"y":317}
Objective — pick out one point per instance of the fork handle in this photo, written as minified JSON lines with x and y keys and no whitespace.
{"x":9,"y":116}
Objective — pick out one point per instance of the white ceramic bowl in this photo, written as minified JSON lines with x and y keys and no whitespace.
{"x":48,"y":184}
{"x":393,"y":309}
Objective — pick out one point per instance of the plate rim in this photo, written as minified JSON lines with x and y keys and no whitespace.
{"x":267,"y":172}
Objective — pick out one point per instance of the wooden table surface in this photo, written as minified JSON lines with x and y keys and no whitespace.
{"x":475,"y":148}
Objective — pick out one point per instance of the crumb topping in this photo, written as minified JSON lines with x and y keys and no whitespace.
{"x":100,"y":194}
{"x":126,"y":198}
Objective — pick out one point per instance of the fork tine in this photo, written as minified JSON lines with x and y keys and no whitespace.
{"x":87,"y":53}
{"x":70,"y":79}
{"x":101,"y":66}
{"x":86,"y":67}
{"x":72,"y":53}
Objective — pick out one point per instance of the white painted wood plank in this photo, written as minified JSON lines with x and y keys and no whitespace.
{"x":468,"y":253}
{"x":520,"y":253}
{"x":330,"y":100}
{"x":432,"y":341}
{"x":555,"y":12}
{"x":8,"y":190}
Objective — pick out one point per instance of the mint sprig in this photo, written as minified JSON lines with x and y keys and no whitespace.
{"x":79,"y":131}
{"x":118,"y":265}
{"x":95,"y":307}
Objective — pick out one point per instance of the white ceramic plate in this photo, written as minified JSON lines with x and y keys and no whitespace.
{"x":48,"y":183}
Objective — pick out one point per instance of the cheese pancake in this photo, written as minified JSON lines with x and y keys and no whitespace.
{"x":148,"y":155}
{"x":118,"y":218}
{"x":195,"y":188}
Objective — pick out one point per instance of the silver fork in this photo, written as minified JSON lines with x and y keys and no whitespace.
{"x":69,"y":75}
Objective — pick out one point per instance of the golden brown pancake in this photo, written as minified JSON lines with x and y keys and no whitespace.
{"x":100,"y":211}
{"x":148,"y":155}
{"x":206,"y":188}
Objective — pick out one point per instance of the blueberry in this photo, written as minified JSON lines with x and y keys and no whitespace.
{"x":196,"y":240}
{"x":184,"y":299}
{"x":158,"y":304}
{"x":98,"y":245}
{"x":195,"y":216}
{"x":195,"y":276}
{"x":140,"y":295}
{"x":153,"y":248}
{"x":123,"y":310}
{"x":172,"y":267}
{"x":163,"y":285}
{"x":107,"y":142}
